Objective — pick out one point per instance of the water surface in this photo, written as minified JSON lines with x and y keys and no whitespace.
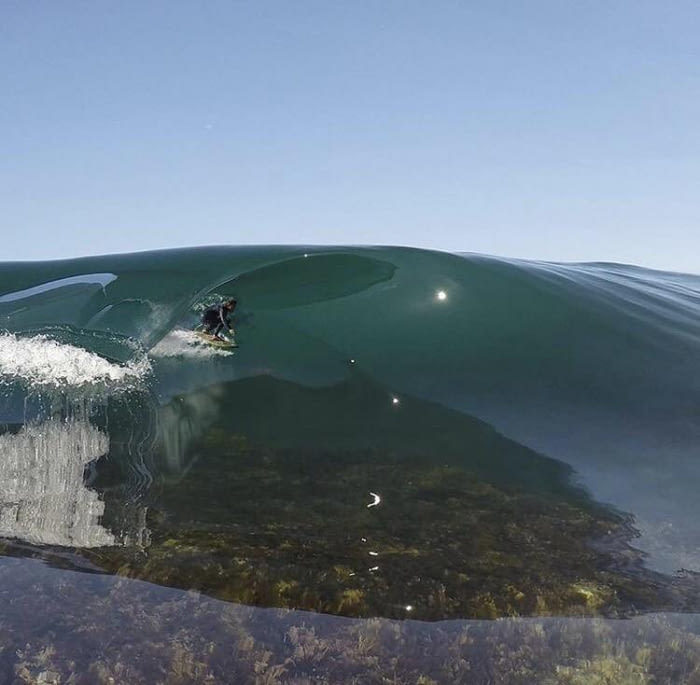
{"x":406,"y":449}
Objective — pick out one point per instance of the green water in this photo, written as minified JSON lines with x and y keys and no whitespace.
{"x":416,"y":467}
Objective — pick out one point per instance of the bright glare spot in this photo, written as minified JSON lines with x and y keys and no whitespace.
{"x":377,"y":500}
{"x":441,"y":295}
{"x":306,"y":254}
{"x":374,"y":568}
{"x":409,"y":607}
{"x":374,"y":554}
{"x":352,"y":361}
{"x":364,"y":539}
{"x":394,"y":400}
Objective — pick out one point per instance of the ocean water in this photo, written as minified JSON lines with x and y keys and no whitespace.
{"x":415,"y":465}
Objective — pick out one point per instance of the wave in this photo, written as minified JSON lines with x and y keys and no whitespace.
{"x":593,"y":365}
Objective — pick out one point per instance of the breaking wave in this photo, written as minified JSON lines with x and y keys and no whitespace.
{"x":593,"y":365}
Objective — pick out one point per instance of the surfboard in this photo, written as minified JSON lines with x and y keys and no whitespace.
{"x":215,"y":342}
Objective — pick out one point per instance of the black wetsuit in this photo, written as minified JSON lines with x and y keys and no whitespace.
{"x":216,"y":318}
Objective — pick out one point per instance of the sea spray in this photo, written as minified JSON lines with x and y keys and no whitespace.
{"x":67,"y":401}
{"x":40,"y":362}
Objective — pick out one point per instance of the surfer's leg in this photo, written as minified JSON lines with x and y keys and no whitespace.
{"x":209,"y":322}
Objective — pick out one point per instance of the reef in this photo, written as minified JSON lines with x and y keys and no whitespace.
{"x":292,"y":528}
{"x":56,"y":628}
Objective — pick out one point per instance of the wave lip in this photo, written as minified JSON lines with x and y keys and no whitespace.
{"x":42,"y":362}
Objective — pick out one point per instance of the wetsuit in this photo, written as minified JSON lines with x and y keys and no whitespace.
{"x":215,"y":319}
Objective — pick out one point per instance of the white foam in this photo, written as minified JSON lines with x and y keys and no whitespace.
{"x":41,"y":361}
{"x":184,"y":343}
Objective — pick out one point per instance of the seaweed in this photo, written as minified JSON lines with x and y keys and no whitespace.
{"x":292,"y":528}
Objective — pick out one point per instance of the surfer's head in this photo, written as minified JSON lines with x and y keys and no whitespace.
{"x":230,"y":304}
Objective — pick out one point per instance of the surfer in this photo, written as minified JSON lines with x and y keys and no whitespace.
{"x":216,"y":318}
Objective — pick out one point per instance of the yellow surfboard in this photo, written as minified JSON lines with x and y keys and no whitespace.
{"x":215,"y":342}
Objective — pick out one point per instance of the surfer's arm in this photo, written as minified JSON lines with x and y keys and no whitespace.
{"x":224,"y":324}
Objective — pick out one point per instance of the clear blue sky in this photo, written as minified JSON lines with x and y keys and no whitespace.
{"x":564,"y":130}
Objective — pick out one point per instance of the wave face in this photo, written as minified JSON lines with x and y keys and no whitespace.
{"x":577,"y":381}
